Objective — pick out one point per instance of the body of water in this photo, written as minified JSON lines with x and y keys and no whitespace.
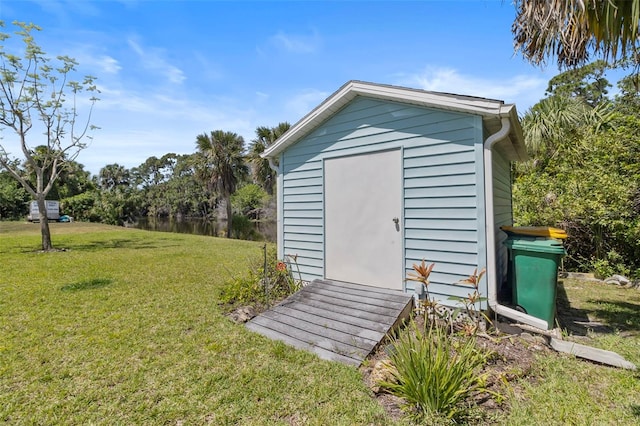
{"x":262,"y":230}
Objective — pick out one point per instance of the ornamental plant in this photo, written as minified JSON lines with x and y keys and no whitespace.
{"x":434,"y":373}
{"x":421,"y":275}
{"x":470,"y":301}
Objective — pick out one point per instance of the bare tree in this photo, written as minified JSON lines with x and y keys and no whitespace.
{"x":38,"y":94}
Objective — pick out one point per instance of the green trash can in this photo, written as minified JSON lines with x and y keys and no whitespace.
{"x":534,"y":275}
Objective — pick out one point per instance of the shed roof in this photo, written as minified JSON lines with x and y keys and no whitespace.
{"x":491,"y":111}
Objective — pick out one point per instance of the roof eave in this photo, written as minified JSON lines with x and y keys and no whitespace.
{"x":487,"y":108}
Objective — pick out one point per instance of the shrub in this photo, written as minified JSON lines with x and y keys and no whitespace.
{"x":434,"y":373}
{"x":249,"y":199}
{"x":259,"y":287}
{"x":243,"y":229}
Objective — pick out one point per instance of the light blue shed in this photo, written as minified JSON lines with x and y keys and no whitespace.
{"x":378,"y":177}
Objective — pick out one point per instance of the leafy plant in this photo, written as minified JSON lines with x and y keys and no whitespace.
{"x":434,"y":373}
{"x":267,"y":280}
{"x":612,"y":264}
{"x":249,"y":200}
{"x":470,"y":301}
{"x":243,"y":229}
{"x":421,"y":275}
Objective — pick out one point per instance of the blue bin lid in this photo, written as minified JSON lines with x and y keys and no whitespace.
{"x":541,"y":245}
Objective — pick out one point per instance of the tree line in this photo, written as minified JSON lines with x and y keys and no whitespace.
{"x":221,"y":173}
{"x":583,"y":174}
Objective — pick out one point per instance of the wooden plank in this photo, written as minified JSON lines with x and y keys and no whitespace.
{"x":311,"y":339}
{"x":337,"y":305}
{"x":336,"y":323}
{"x":594,"y":354}
{"x":357,"y":299}
{"x":320,"y":352}
{"x":320,"y":331}
{"x":393,"y":296}
{"x":370,"y":326}
{"x":347,"y":296}
{"x":372,"y":290}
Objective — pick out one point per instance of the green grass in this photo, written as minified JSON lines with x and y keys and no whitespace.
{"x":570,"y":391}
{"x":123,"y":328}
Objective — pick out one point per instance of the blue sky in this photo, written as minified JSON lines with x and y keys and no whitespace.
{"x":170,"y":70}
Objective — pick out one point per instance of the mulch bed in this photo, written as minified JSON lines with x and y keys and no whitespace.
{"x":513,"y":353}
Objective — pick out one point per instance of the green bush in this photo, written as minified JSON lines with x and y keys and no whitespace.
{"x":612,"y":264}
{"x":80,"y":206}
{"x":434,"y":373}
{"x":258,"y":288}
{"x":242,"y":228}
{"x":591,"y":189}
{"x":249,"y":199}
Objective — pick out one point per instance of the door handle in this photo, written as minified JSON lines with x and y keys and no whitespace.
{"x":396,"y":220}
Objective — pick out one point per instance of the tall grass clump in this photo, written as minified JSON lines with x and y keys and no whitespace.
{"x":434,"y":373}
{"x":267,"y":281}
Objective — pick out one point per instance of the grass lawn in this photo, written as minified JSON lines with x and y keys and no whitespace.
{"x":564,"y":390}
{"x":124,"y":328}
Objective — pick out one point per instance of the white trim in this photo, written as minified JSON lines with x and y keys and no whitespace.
{"x":487,"y":108}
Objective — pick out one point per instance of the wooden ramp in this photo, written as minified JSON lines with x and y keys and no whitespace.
{"x":337,"y":321}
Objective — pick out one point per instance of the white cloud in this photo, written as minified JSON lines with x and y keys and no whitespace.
{"x":153,"y":59}
{"x":300,"y":104}
{"x":524,"y":90}
{"x":297,"y":43}
{"x":108,"y":65}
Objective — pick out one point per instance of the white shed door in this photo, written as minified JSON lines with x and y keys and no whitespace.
{"x":363,"y":222}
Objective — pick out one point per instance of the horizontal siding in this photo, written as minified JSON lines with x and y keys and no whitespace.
{"x":442,"y":245}
{"x":373,"y":133}
{"x":466,"y":178}
{"x":447,"y":224}
{"x":442,"y":234}
{"x":303,"y":221}
{"x":440,"y":191}
{"x":503,"y":214}
{"x":441,"y":213}
{"x":441,"y":202}
{"x":440,"y":216}
{"x":292,"y":236}
{"x":305,"y":214}
{"x":295,"y":246}
{"x":299,"y":190}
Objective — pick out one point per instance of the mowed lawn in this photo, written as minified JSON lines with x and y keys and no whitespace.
{"x":123,"y":328}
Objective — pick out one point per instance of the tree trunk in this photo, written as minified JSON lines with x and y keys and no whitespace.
{"x":44,"y":225}
{"x":227,"y":200}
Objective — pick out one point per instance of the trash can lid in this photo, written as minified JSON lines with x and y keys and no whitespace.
{"x":535,"y":231}
{"x":537,"y":245}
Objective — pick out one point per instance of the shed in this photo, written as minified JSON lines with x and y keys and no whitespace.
{"x":378,"y":177}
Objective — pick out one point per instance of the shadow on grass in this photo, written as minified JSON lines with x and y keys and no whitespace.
{"x":87,"y":284}
{"x":618,"y":314}
{"x":123,"y":243}
{"x":102,"y":245}
{"x":635,"y":410}
{"x":607,"y":316}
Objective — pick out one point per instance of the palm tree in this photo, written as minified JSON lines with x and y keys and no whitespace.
{"x":262,"y":173}
{"x":571,"y":29}
{"x":559,"y":121}
{"x":224,"y":154}
{"x":113,"y":176}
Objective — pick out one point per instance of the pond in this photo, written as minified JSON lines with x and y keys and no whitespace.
{"x":243,"y":229}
